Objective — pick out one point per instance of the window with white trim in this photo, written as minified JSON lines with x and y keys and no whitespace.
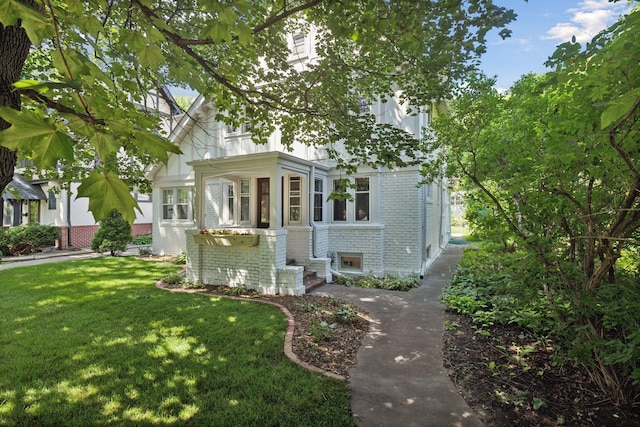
{"x":339,"y":206}
{"x":299,"y":42}
{"x":228,"y":211}
{"x":295,"y":200}
{"x":350,"y":262}
{"x":245,"y":188}
{"x":51,"y":201}
{"x":364,"y":105}
{"x":359,"y":203}
{"x":176,"y":204}
{"x":243,"y":128}
{"x":362,"y":199}
{"x":318,"y":200}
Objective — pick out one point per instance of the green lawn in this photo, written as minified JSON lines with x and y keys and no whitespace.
{"x":94,"y":342}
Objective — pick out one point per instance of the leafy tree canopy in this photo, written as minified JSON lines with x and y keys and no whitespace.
{"x":92,"y":62}
{"x":554,"y":165}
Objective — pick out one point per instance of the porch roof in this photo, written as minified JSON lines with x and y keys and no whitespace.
{"x":258,"y":160}
{"x":21,"y":189}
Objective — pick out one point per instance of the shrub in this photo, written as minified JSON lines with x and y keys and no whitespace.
{"x":4,"y":241}
{"x":26,"y":239}
{"x":390,"y":283}
{"x":173,"y":279}
{"x":181,"y":259}
{"x":113,"y":235}
{"x":146,"y":239}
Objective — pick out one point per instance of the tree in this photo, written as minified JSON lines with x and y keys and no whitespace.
{"x":86,"y":72}
{"x":113,"y":235}
{"x":556,"y":161}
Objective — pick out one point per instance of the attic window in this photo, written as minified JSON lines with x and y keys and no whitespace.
{"x":299,"y":44}
{"x":243,"y":128}
{"x":364,"y":105}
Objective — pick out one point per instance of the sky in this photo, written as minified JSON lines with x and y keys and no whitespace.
{"x":541,"y":25}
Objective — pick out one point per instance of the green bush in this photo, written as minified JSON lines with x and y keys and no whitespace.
{"x":145,"y":239}
{"x":4,"y":241}
{"x":390,"y":283}
{"x":113,"y":235}
{"x":181,"y":259}
{"x":173,"y":279}
{"x":27,"y":239}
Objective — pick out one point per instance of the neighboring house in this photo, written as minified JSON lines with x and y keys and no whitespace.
{"x":36,"y":201}
{"x":41,"y":201}
{"x":394,"y":225}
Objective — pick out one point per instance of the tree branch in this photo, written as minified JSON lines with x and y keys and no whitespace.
{"x":49,"y":103}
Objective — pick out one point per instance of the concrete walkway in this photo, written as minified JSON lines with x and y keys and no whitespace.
{"x":399,"y":379}
{"x":56,"y":256}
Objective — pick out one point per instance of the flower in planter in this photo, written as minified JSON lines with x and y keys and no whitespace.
{"x":225,"y":232}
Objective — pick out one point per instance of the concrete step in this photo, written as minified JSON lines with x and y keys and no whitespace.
{"x":311,"y":284}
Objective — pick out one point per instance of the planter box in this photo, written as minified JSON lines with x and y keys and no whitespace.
{"x":226,"y":240}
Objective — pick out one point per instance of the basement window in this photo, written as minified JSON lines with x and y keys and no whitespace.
{"x":350,"y":262}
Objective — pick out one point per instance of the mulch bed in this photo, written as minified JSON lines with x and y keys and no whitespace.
{"x":509,"y":378}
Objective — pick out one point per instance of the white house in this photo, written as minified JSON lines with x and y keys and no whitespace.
{"x":393,"y":224}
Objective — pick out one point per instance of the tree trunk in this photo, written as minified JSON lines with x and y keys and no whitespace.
{"x":14,"y":48}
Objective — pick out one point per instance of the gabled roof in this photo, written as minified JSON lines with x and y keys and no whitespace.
{"x":21,"y":189}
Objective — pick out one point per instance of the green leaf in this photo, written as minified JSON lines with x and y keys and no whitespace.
{"x":156,"y":146}
{"x":37,"y":85}
{"x":30,"y":133}
{"x":107,"y":192}
{"x":105,"y":145}
{"x":34,"y":22}
{"x":150,"y":56}
{"x":618,"y":108}
{"x":37,"y":27}
{"x":73,"y":64}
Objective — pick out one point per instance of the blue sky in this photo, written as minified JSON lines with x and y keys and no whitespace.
{"x":541,"y":25}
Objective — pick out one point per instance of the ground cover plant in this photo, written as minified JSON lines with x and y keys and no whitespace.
{"x":95,"y":342}
{"x":389,"y":282}
{"x":515,"y":363}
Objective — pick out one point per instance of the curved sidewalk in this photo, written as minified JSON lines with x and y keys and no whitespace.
{"x":399,"y":379}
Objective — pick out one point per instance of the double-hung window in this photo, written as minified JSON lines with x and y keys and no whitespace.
{"x":318,"y":200}
{"x":299,"y":41}
{"x":176,"y":204}
{"x":295,"y":200}
{"x":339,"y":206}
{"x":362,"y":199}
{"x":244,"y":200}
{"x":356,"y":206}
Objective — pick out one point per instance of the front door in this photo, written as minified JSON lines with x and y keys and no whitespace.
{"x":263,"y":203}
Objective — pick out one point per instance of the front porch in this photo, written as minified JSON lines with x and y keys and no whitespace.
{"x":270,"y":196}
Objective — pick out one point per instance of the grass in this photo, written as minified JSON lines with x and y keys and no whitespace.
{"x":94,"y":342}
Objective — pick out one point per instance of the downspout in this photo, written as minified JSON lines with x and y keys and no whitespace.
{"x":312,"y":185}
{"x":68,"y":219}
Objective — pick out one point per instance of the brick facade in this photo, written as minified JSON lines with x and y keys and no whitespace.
{"x":262,"y":267}
{"x":82,"y":235}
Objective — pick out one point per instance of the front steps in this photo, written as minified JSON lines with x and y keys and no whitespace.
{"x":310,"y":279}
